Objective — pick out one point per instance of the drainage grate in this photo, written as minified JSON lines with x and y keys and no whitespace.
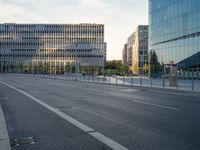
{"x":23,"y":141}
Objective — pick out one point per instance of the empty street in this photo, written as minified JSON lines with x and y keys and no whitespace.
{"x":69,"y":115}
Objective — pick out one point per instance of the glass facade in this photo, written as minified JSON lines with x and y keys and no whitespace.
{"x":174,"y":34}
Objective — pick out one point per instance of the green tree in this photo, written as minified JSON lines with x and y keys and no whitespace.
{"x":145,"y":69}
{"x":135,"y":68}
{"x":113,"y":64}
{"x":124,"y":69}
{"x":95,"y":70}
{"x":155,"y":66}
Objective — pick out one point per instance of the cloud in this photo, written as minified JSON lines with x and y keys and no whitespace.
{"x":120,"y":17}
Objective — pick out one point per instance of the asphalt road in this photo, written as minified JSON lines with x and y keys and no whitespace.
{"x":136,"y":118}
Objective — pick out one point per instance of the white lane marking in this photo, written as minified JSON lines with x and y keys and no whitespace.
{"x":56,"y":111}
{"x":129,"y":90}
{"x":4,"y":98}
{"x":95,"y":93}
{"x":157,"y":105}
{"x":97,"y":114}
{"x":107,"y":141}
{"x":166,"y":92}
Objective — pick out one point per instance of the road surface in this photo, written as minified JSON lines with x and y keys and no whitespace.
{"x":103,"y":117}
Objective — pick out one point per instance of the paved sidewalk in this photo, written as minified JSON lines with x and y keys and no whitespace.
{"x":183,"y":85}
{"x":4,"y":138}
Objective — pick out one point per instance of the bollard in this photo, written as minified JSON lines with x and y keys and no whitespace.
{"x":151,"y":82}
{"x":192,"y":80}
{"x":163,"y":81}
{"x":131,"y":80}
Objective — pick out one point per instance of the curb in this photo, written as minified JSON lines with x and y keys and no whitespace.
{"x":4,"y":138}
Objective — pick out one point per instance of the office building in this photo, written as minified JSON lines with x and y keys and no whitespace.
{"x":130,"y":49}
{"x":137,"y":46}
{"x":174,"y":35}
{"x":51,"y":48}
{"x":124,"y":55}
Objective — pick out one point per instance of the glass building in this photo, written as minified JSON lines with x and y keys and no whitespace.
{"x":174,"y":34}
{"x":52,"y":48}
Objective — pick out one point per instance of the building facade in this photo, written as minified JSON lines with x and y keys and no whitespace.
{"x":130,"y":42}
{"x":137,"y":46}
{"x":51,"y":48}
{"x":174,"y":35}
{"x":140,"y":49}
{"x":124,"y":55}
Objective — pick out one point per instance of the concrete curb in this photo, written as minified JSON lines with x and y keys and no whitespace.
{"x":4,"y":138}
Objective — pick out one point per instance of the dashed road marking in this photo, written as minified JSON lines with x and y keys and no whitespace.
{"x":4,"y":98}
{"x":95,"y":93}
{"x":157,"y":105}
{"x":129,"y":90}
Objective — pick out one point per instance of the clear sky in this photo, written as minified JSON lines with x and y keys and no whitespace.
{"x":120,"y":17}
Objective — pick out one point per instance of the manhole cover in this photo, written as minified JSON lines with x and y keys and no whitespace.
{"x":23,"y":141}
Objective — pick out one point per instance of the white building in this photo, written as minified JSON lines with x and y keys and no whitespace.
{"x":51,"y":48}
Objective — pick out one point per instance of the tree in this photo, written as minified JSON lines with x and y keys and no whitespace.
{"x":145,"y":69}
{"x":113,"y":64}
{"x":84,"y":69}
{"x":40,"y":67}
{"x":45,"y":67}
{"x":95,"y":70}
{"x":135,"y":68}
{"x":124,"y":69}
{"x":155,"y":66}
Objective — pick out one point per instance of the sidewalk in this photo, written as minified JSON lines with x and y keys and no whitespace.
{"x":4,"y":138}
{"x":184,"y":85}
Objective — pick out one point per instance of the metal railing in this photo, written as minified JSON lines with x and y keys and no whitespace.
{"x":162,"y":82}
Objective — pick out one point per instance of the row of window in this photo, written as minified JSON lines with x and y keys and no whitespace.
{"x":48,"y":32}
{"x":24,"y":50}
{"x":49,"y":26}
{"x":47,"y":56}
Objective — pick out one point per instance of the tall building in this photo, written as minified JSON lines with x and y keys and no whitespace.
{"x":51,"y":48}
{"x":124,"y":55}
{"x":140,"y":49}
{"x":130,"y":42}
{"x":137,"y":46}
{"x":174,"y":34}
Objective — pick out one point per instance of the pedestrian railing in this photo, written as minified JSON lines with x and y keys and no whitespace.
{"x":162,"y":82}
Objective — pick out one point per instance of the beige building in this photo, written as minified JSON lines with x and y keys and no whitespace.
{"x":137,"y":50}
{"x":124,"y":55}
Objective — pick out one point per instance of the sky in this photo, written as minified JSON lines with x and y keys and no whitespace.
{"x":120,"y":17}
